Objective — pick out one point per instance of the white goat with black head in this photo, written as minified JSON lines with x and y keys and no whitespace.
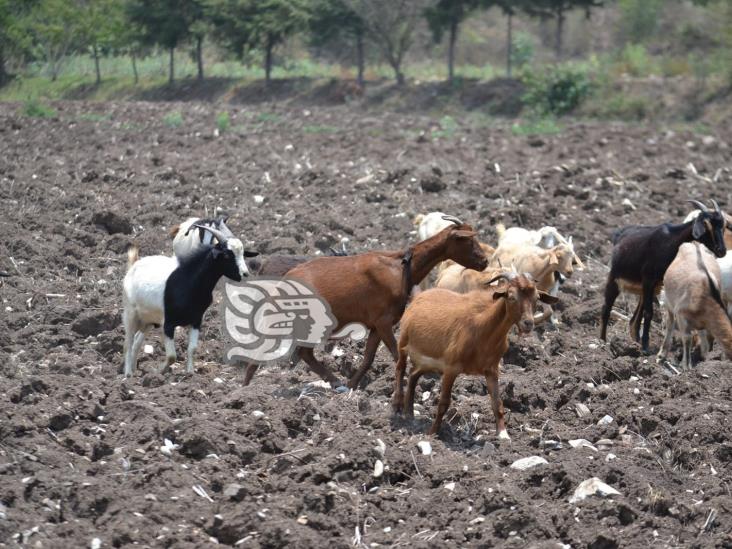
{"x":164,"y":292}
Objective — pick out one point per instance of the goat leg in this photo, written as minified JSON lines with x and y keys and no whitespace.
{"x":397,"y":401}
{"x":497,"y":404}
{"x":372,"y":343}
{"x":448,"y":379}
{"x":414,"y":376}
{"x":249,"y":374}
{"x":307,"y":354}
{"x":611,"y":294}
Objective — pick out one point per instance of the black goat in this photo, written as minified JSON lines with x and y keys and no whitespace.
{"x":160,"y":291}
{"x":642,"y":253}
{"x":279,"y":264}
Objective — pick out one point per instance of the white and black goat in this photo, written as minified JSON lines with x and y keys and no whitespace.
{"x":164,"y":291}
{"x":641,"y":255}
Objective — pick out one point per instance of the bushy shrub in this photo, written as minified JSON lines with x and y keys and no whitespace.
{"x":555,"y":90}
{"x":223,"y":122}
{"x":35,"y":109}
{"x":522,"y":50}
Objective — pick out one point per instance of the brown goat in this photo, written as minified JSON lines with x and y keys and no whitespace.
{"x":373,"y":288}
{"x":694,"y":301}
{"x":453,"y":334}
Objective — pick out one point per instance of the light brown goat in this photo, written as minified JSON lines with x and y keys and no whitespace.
{"x":373,"y":288}
{"x":694,"y":302}
{"x":453,"y":334}
{"x":461,"y":280}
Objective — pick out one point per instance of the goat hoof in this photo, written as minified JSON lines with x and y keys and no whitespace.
{"x":503,"y":435}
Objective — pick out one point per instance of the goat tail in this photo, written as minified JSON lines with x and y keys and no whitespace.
{"x":418,"y":219}
{"x":500,"y":230}
{"x":133,"y":254}
{"x":173,"y":231}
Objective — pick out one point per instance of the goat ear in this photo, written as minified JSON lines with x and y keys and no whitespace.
{"x":553,"y":259}
{"x":698,"y":229}
{"x":548,"y":299}
{"x":464,"y":234}
{"x":499,"y":295}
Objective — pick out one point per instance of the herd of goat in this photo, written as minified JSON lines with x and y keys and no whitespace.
{"x":461,"y":325}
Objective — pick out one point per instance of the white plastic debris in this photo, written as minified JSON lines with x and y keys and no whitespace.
{"x":378,"y":468}
{"x":592,"y":487}
{"x":450,"y":486}
{"x":256,"y":414}
{"x":528,"y":462}
{"x":425,"y":447}
{"x":337,"y":352}
{"x":380,"y":447}
{"x":168,"y":447}
{"x":582,"y":443}
{"x":218,"y":380}
{"x":610,"y":457}
{"x":582,"y":410}
{"x":95,"y":543}
{"x":258,"y":199}
{"x":148,"y":349}
{"x":605,"y":420}
{"x":426,"y":396}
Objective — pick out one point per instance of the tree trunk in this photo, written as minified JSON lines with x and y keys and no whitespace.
{"x":509,"y":44}
{"x":560,"y":31}
{"x":268,"y":60}
{"x":95,"y":51}
{"x":171,"y":71}
{"x":359,"y":58}
{"x":3,"y":74}
{"x":134,"y":67}
{"x":451,"y":51}
{"x":199,"y":56}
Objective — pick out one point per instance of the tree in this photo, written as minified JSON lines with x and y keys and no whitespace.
{"x":333,"y":21}
{"x":55,"y":28}
{"x":558,"y":9}
{"x":243,"y":25}
{"x":447,"y":15}
{"x":11,"y":34}
{"x":99,"y":22}
{"x":391,"y":25}
{"x":165,"y":23}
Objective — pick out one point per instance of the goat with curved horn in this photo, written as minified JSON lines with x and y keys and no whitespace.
{"x":453,"y":219}
{"x":221,"y":237}
{"x":699,"y":205}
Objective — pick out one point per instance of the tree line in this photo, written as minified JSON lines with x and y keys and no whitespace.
{"x":49,"y":30}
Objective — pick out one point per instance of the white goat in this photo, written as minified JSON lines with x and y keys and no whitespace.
{"x":546,"y":237}
{"x":166,"y":292}
{"x":428,"y":225}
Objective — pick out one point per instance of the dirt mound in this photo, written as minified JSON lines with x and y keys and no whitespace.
{"x":177,"y":460}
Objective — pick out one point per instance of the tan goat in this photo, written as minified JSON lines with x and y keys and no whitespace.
{"x":461,"y":280}
{"x":548,"y":267}
{"x":453,"y":334}
{"x":693,"y":301}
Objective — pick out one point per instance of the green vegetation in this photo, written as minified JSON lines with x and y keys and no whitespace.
{"x":223,"y":122}
{"x":174,"y":119}
{"x":36,"y":109}
{"x":448,"y":127}
{"x":555,"y":90}
{"x":111,"y":49}
{"x":536,"y":126}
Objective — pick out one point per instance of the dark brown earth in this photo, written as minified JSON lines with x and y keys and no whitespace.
{"x":80,"y":450}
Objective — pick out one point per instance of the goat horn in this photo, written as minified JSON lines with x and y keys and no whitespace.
{"x":502,"y":276}
{"x":453,"y":219}
{"x":218,"y":234}
{"x":716,"y":206}
{"x":699,"y":205}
